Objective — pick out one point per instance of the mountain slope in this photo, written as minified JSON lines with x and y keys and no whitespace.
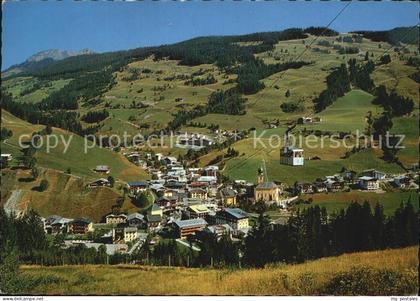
{"x":42,"y":59}
{"x":80,"y":163}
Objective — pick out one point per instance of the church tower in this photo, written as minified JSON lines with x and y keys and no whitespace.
{"x":260,"y":176}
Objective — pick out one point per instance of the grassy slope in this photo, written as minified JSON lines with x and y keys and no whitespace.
{"x":16,"y":85}
{"x":67,"y":195}
{"x":303,"y":279}
{"x":81,"y":164}
{"x":304,"y":85}
{"x":334,"y":202}
{"x":408,"y":126}
{"x":346,"y":114}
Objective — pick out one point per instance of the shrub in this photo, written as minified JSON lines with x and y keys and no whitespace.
{"x":43,"y":185}
{"x":371,"y":282}
{"x":291,"y":106}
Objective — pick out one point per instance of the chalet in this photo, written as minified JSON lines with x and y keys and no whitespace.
{"x":135,"y":219}
{"x":55,"y":224}
{"x":167,"y":202}
{"x":102,"y":169}
{"x":158,"y":156}
{"x":373,"y":173}
{"x":348,"y":175}
{"x":219,"y":230}
{"x":198,"y":184}
{"x":134,"y":157}
{"x":124,"y":235}
{"x":100,"y":183}
{"x":153,"y":221}
{"x":304,"y":120}
{"x":304,"y":188}
{"x":170,"y":193}
{"x":316,"y":119}
{"x":156,"y":210}
{"x":335,"y":186}
{"x":368,"y":183}
{"x":234,"y":217}
{"x":130,"y":234}
{"x":137,"y":186}
{"x":193,"y":141}
{"x":169,"y":160}
{"x":228,"y":196}
{"x":320,"y":187}
{"x":197,"y":211}
{"x":210,"y":180}
{"x":402,"y":182}
{"x":80,"y":226}
{"x":156,"y":174}
{"x":115,"y":219}
{"x":173,"y":184}
{"x":189,"y":227}
{"x":198,"y":193}
{"x":211,"y":171}
{"x":291,"y":156}
{"x":6,"y":157}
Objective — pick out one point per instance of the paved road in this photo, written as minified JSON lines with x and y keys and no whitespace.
{"x":13,"y":201}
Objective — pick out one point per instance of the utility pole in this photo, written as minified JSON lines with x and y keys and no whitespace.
{"x":169,"y":260}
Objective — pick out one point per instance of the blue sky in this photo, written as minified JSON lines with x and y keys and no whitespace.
{"x":29,"y":27}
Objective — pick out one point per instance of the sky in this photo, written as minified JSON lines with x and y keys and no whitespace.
{"x":32,"y":26}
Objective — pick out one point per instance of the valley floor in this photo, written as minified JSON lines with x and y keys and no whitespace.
{"x":388,"y":272}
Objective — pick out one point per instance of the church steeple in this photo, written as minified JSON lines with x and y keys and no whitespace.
{"x":260,"y":176}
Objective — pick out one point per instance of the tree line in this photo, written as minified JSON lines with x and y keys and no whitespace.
{"x":312,"y":233}
{"x":338,"y":83}
{"x":33,"y":113}
{"x":95,"y":116}
{"x":251,"y":72}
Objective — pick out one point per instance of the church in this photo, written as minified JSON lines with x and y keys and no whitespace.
{"x":266,"y":191}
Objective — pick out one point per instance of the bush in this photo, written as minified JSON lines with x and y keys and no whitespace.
{"x":371,"y":282}
{"x":291,"y":106}
{"x":43,"y":185}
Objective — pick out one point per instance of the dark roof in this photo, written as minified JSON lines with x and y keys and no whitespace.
{"x":227,"y":192}
{"x":236,"y":212}
{"x":138,"y":184}
{"x":82,"y":220}
{"x":153,"y":218}
{"x":197,"y":190}
{"x":174,"y":184}
{"x":135,"y":215}
{"x":191,"y":223}
{"x":266,"y":185}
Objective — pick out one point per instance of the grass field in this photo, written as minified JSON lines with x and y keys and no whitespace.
{"x":408,"y":126}
{"x":17,"y":85}
{"x":346,"y":114}
{"x":310,"y":278}
{"x":80,"y":163}
{"x":334,"y":202}
{"x":67,"y":195}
